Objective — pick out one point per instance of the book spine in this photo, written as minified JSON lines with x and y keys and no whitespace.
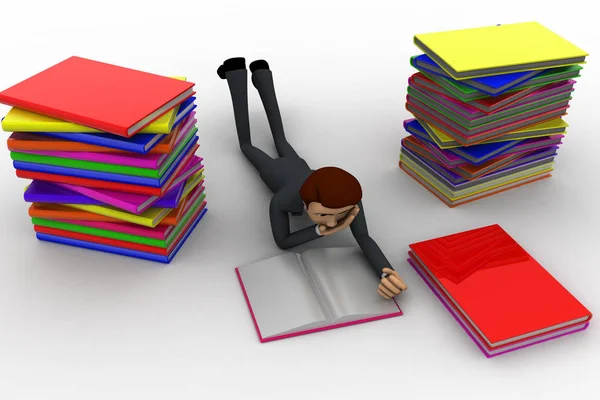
{"x":140,"y":128}
{"x":315,"y":285}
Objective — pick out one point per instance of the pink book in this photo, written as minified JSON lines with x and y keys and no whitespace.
{"x":159,"y":232}
{"x":151,"y":161}
{"x":468,"y":111}
{"x":320,"y":289}
{"x":132,"y":202}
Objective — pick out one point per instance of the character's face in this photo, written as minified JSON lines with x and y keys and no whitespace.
{"x":327,"y":216}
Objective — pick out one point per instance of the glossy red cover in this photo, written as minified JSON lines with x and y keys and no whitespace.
{"x":504,"y":291}
{"x":95,"y":94}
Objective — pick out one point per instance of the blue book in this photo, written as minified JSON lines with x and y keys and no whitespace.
{"x":141,"y":143}
{"x":107,"y":176}
{"x":492,"y":85}
{"x":120,"y":251}
{"x":476,"y":154}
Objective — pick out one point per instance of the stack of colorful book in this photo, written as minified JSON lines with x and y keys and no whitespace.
{"x":111,"y":153}
{"x":488,"y":106}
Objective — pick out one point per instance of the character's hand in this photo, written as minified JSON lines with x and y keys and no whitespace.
{"x":343,"y":224}
{"x":391,"y":285}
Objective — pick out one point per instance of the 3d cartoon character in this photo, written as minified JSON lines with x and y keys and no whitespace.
{"x":331,"y":196}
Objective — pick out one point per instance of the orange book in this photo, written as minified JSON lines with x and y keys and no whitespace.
{"x":24,"y":141}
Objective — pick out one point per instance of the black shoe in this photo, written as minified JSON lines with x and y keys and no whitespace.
{"x":258,"y":64}
{"x":231,"y":65}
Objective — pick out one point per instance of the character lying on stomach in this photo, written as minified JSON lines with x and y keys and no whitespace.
{"x":331,"y":196}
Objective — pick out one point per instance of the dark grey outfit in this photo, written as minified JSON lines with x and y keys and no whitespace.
{"x":286,"y":174}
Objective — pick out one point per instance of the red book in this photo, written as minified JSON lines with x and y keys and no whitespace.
{"x":498,"y":288}
{"x":103,"y":96}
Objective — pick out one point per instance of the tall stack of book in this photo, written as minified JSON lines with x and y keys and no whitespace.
{"x":111,"y":153}
{"x":488,"y":106}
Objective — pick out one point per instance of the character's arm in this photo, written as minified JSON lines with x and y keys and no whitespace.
{"x":280,"y":225}
{"x":372,"y":252}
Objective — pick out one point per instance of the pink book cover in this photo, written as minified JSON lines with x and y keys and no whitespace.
{"x":132,"y":202}
{"x":150,"y":161}
{"x":270,"y":276}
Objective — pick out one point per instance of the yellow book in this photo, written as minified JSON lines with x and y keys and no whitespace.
{"x":461,"y":194}
{"x":556,"y":126}
{"x":19,"y":120}
{"x":500,"y":49}
{"x":192,"y":182}
{"x":150,"y":218}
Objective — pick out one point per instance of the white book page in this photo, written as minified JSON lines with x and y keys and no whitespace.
{"x":281,"y":295}
{"x":347,"y":283}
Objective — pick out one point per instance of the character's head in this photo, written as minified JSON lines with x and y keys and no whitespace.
{"x":329,"y":194}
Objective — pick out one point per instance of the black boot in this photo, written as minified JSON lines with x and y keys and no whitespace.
{"x":231,"y":64}
{"x":258,"y":64}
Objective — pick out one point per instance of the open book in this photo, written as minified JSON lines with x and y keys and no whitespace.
{"x":294,"y":294}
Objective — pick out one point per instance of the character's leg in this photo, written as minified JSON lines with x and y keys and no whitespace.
{"x":234,"y":70}
{"x":262,"y":79}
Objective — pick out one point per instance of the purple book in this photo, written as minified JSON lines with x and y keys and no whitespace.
{"x":46,"y":192}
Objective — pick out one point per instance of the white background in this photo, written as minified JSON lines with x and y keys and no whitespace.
{"x":78,"y":324}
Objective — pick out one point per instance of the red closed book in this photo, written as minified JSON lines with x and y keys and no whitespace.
{"x":499,"y":289}
{"x":107,"y":97}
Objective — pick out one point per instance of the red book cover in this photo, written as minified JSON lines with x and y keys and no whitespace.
{"x":107,"y":97}
{"x":498,"y":287}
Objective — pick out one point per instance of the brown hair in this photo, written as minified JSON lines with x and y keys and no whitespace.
{"x":332,"y":187}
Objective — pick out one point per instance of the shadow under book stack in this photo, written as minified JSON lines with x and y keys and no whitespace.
{"x":477,"y":132}
{"x":138,"y":196}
